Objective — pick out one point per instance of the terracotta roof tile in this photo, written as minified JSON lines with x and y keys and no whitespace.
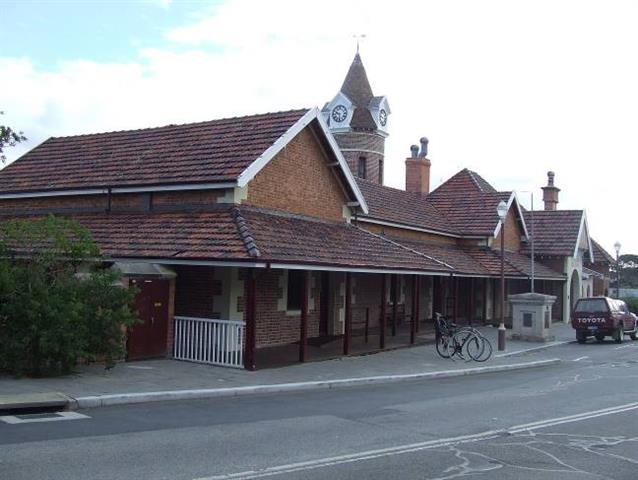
{"x":399,"y":206}
{"x":212,"y":151}
{"x":600,"y":254}
{"x":555,"y":231}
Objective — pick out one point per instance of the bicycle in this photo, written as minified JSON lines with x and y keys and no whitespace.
{"x":467,"y":341}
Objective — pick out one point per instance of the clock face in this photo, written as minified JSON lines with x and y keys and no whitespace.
{"x":339,"y":113}
{"x":383,"y":117}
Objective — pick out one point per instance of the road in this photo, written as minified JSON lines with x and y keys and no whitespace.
{"x":576,"y":420}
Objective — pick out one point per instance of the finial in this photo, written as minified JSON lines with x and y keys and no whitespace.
{"x":359,"y":37}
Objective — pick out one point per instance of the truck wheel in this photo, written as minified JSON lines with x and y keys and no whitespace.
{"x":581,"y":337}
{"x":620,"y":334}
{"x":634,"y":335}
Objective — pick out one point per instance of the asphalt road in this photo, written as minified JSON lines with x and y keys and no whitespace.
{"x":486,"y":426}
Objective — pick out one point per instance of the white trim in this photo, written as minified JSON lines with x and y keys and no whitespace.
{"x":255,"y":167}
{"x":172,"y":188}
{"x":104,"y":191}
{"x":58,"y":193}
{"x":328,"y":268}
{"x":313,"y":114}
{"x":584,"y":223}
{"x":211,"y":263}
{"x":513,"y":199}
{"x":342,"y":161}
{"x":408,"y":227}
{"x":374,"y":152}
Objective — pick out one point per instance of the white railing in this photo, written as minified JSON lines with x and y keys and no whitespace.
{"x":204,"y":340}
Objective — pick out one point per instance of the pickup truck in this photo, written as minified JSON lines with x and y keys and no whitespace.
{"x":603,"y":316}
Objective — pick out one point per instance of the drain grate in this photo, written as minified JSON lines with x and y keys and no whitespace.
{"x":42,"y":417}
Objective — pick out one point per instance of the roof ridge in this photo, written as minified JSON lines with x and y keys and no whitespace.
{"x":386,"y":239}
{"x":201,"y":122}
{"x":244,"y":233}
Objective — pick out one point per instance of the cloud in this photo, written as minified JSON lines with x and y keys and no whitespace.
{"x":507,"y":89}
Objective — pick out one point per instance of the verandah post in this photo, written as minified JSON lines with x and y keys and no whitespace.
{"x":382,"y":325}
{"x":393,"y":294}
{"x":471,"y":314}
{"x":418,"y":301}
{"x":348,"y":320}
{"x":251,"y":326}
{"x":303,"y":324}
{"x":413,"y":322}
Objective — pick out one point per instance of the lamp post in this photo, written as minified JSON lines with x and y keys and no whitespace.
{"x":501,"y":210}
{"x":617,"y":248}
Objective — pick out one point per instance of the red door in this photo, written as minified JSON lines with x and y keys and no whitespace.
{"x":148,"y":339}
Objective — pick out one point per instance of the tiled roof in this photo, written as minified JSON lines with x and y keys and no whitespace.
{"x":600,"y":254}
{"x":468,"y":202}
{"x":234,"y":233}
{"x":398,"y":206}
{"x":555,"y":231}
{"x":465,"y":181}
{"x":212,"y":151}
{"x":294,"y":239}
{"x":481,"y":260}
{"x":357,"y":88}
{"x":471,"y":213}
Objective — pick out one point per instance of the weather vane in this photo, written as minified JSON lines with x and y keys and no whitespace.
{"x":359,"y":37}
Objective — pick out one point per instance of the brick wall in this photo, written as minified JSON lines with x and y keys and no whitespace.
{"x":513,"y":233}
{"x":368,"y":145}
{"x":410,"y":234}
{"x":276,"y":326}
{"x":299,"y":180}
{"x":194,"y":292}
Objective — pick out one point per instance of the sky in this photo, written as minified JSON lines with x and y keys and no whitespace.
{"x":510,"y":89}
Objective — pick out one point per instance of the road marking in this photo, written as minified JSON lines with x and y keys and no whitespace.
{"x":415,"y":447}
{"x":572,"y":418}
{"x":533,"y":349}
{"x":626,"y":346}
{"x":580,"y":358}
{"x":40,"y":417}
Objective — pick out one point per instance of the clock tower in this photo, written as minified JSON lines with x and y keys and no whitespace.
{"x":359,"y":122}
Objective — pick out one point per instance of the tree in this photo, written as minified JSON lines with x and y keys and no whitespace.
{"x":57,"y":306}
{"x":9,"y":138}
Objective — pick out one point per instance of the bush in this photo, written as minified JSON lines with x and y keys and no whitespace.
{"x":50,"y":315}
{"x":632,"y":303}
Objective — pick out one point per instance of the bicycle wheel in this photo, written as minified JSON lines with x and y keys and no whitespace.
{"x":479,"y":348}
{"x":441,"y":346}
{"x":456,"y":345}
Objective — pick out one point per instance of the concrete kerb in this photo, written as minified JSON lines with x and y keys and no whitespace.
{"x":532,"y":349}
{"x":199,"y":394}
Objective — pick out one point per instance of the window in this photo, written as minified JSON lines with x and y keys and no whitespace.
{"x":362,"y":167}
{"x":381,"y":171}
{"x":295,"y":289}
{"x":594,"y":305}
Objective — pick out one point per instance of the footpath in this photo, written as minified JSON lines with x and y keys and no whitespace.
{"x":162,"y":380}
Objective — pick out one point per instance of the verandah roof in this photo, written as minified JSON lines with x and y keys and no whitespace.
{"x":251,"y":235}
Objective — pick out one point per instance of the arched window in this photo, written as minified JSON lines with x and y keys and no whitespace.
{"x":362,"y":167}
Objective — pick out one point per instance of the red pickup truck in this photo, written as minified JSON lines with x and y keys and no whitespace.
{"x":603,"y":316}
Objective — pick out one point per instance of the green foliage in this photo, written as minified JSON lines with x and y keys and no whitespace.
{"x":9,"y":138}
{"x":632,"y":303}
{"x":51,"y":316}
{"x":628,"y":271}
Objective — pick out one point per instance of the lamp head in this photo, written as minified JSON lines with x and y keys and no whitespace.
{"x":617,"y":247}
{"x":501,"y":210}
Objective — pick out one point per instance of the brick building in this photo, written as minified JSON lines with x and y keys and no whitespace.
{"x":271,"y":238}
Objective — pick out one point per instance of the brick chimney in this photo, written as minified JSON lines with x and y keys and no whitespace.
{"x":550,"y":193}
{"x":417,"y":169}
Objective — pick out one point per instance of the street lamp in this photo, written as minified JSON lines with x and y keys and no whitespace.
{"x":501,"y":210}
{"x":617,"y":248}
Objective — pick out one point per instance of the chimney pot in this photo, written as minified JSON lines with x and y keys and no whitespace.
{"x":417,"y":169}
{"x":424,"y":147}
{"x":550,"y":179}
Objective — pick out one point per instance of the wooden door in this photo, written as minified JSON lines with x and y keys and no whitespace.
{"x":148,"y":338}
